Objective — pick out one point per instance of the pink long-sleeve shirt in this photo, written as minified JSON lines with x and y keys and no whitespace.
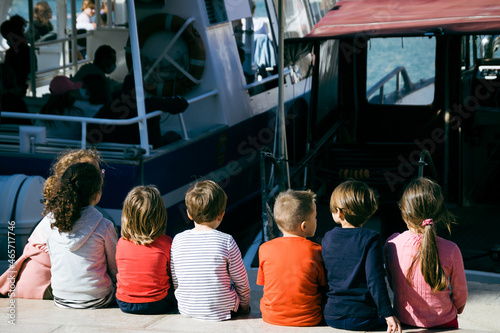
{"x":417,"y":304}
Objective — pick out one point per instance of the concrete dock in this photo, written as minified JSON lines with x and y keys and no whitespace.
{"x":481,"y":314}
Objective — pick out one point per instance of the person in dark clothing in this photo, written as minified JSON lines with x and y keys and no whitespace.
{"x":9,"y":96}
{"x":104,"y":63}
{"x":125,"y":107}
{"x":18,"y":55}
{"x":357,"y":298}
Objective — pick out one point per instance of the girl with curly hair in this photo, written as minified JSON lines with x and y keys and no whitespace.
{"x":33,"y":266}
{"x":81,"y":242}
{"x":62,"y":162}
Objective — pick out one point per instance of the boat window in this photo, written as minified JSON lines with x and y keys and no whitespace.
{"x":401,"y":70}
{"x":319,"y":8}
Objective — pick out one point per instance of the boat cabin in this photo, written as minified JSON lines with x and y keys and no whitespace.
{"x":405,"y":89}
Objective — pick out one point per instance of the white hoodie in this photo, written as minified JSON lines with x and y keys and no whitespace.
{"x":83,"y":260}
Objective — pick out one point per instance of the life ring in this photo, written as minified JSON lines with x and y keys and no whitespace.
{"x":196,"y":52}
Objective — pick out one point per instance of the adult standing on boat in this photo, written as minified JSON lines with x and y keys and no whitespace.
{"x":10,"y":99}
{"x":18,"y":55}
{"x":105,"y":12}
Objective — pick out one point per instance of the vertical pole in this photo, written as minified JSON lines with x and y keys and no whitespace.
{"x":110,"y":13}
{"x":139,"y":90}
{"x":282,"y":146}
{"x":74,"y":49}
{"x":61,"y":10}
{"x":97,"y":19}
{"x":447,"y":97}
{"x":32,"y":50}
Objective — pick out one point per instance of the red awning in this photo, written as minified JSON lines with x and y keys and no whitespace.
{"x":389,"y":18}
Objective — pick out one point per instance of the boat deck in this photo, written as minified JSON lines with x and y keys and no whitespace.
{"x":44,"y":316}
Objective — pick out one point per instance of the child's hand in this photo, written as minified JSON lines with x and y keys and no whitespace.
{"x":244,"y":309}
{"x":393,"y":324}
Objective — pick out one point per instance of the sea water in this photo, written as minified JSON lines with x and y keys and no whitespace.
{"x":416,"y":54}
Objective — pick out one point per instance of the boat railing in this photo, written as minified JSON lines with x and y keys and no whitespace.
{"x":426,"y":160}
{"x":269,"y":189}
{"x":380,"y":85}
{"x":111,"y":150}
{"x":327,"y":138}
{"x":105,"y":121}
{"x":191,"y":101}
{"x":65,"y":63}
{"x":276,"y":181}
{"x":265,"y":80}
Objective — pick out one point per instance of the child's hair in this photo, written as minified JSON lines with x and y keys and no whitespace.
{"x":205,"y":201}
{"x":144,"y":217}
{"x":88,"y":4}
{"x":422,"y":206}
{"x":356,"y":200}
{"x":291,"y":208}
{"x":63,"y":161}
{"x":79,"y":184}
{"x":42,"y":12}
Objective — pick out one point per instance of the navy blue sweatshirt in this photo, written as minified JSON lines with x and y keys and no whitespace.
{"x":356,"y":277}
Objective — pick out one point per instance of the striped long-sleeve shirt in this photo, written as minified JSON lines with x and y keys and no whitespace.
{"x":209,"y":277}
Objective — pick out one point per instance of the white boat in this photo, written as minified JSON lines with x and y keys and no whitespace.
{"x":225,"y":126}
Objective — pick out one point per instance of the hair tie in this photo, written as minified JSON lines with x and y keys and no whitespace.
{"x":427,"y":222}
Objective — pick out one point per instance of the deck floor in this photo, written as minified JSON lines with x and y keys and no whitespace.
{"x":480,"y":315}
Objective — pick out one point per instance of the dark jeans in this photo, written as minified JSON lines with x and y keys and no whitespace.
{"x":357,"y":324}
{"x":165,"y":305}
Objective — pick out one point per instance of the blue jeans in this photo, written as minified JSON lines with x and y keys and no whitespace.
{"x":357,"y":324}
{"x":165,"y":305}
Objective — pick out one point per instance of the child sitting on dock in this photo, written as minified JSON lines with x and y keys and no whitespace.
{"x":209,"y":277}
{"x":425,"y":272}
{"x":291,"y":268}
{"x":32,"y":270}
{"x":81,"y":242}
{"x":143,"y":255}
{"x":357,"y":298}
